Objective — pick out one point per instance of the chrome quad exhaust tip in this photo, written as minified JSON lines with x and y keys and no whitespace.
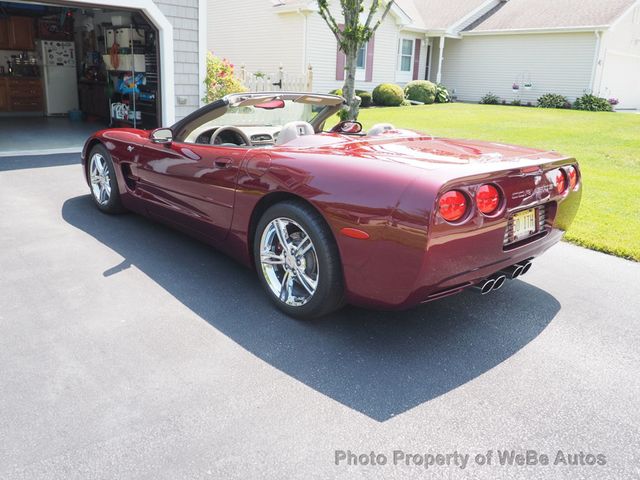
{"x":517,"y":270}
{"x":490,"y":284}
{"x":499,"y":282}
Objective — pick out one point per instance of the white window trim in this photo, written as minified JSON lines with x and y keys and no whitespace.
{"x":402,"y":76}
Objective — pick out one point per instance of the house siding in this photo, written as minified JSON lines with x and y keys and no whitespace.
{"x":252,"y":33}
{"x":620,"y":61}
{"x":553,"y":62}
{"x":322,"y":47}
{"x":183,"y":15}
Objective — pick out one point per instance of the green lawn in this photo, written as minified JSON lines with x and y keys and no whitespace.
{"x":607,"y":145}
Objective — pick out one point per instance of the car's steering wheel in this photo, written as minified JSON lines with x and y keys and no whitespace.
{"x":347,"y":126}
{"x":243,"y":136}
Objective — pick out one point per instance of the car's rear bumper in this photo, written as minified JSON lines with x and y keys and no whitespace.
{"x":401,"y":274}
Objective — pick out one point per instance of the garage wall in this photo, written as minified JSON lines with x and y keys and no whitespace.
{"x":183,"y":15}
{"x":620,"y":61}
{"x":553,"y":62}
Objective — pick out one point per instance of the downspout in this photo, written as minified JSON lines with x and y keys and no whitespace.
{"x":440,"y":59}
{"x":596,"y":59}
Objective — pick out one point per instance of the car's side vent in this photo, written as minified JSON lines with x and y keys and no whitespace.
{"x":129,"y":178}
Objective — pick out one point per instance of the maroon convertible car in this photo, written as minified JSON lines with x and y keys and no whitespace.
{"x":389,"y":218}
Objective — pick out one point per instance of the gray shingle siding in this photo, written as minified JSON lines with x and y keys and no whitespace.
{"x":183,"y":15}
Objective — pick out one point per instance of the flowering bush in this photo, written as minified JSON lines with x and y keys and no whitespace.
{"x":613,"y":102}
{"x":220,"y":80}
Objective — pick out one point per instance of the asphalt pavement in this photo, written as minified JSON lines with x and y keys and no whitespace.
{"x":129,"y":350}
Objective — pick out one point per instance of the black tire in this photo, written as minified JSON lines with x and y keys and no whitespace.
{"x":113,"y":205}
{"x":329,"y":293}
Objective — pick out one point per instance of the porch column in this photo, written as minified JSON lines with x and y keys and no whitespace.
{"x":440,"y":58}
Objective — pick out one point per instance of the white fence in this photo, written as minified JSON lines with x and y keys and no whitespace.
{"x":280,"y":80}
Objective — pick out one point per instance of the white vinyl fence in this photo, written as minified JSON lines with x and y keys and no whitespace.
{"x":280,"y":80}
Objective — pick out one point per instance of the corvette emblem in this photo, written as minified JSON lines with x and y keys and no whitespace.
{"x":130,"y":148}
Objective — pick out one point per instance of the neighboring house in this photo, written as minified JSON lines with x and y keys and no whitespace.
{"x":471,"y":46}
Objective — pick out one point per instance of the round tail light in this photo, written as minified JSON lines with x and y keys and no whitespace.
{"x":452,"y":205}
{"x":573,"y":177}
{"x":560,"y":180}
{"x":488,"y":199}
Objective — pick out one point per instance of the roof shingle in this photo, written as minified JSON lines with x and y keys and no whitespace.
{"x":549,"y":14}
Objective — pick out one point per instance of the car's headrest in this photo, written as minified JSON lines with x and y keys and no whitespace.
{"x":379,"y":128}
{"x":293,"y":130}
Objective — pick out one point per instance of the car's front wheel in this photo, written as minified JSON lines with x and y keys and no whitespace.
{"x":297,"y":260}
{"x":102,"y":181}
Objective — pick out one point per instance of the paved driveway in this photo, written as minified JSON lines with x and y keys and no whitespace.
{"x":128,"y":350}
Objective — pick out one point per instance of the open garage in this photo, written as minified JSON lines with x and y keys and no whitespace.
{"x":68,"y":69}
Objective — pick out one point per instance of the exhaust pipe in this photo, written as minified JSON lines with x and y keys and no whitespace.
{"x":526,"y":266}
{"x":513,"y":272}
{"x":499,"y":282}
{"x":485,"y":286}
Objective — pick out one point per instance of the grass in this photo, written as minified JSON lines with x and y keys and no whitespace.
{"x":607,"y":146}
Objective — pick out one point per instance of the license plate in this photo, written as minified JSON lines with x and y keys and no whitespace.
{"x":524,"y":224}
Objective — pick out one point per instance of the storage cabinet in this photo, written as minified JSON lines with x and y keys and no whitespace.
{"x":17,"y":33}
{"x":21,"y":33}
{"x":4,"y":34}
{"x":4,"y":98}
{"x":21,"y":94}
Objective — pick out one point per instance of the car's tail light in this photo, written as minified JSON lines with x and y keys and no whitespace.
{"x":452,"y":205}
{"x":573,"y":176}
{"x":559,"y":180}
{"x":488,"y":199}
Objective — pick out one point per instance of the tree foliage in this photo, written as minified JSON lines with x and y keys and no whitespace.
{"x":356,"y":30}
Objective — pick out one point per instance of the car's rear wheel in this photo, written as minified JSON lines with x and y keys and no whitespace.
{"x":297,"y":260}
{"x":102,"y":181}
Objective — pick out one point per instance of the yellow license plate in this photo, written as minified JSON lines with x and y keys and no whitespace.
{"x":524,"y":224}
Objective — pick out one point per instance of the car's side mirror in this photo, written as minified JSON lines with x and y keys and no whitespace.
{"x":162,"y":135}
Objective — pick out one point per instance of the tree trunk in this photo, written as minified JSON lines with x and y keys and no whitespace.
{"x":348,"y":90}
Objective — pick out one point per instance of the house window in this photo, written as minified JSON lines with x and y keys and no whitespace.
{"x":406,"y":54}
{"x":361,"y":59}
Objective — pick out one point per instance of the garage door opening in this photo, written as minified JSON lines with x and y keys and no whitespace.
{"x":67,"y":71}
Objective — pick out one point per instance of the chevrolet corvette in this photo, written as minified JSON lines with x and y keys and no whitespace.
{"x":388,"y":218}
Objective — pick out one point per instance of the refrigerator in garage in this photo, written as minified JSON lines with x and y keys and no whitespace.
{"x":58,"y":60}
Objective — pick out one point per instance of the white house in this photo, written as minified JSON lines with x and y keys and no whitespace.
{"x":471,"y":46}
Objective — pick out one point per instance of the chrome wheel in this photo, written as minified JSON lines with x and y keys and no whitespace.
{"x":289,"y":261}
{"x":100,"y":179}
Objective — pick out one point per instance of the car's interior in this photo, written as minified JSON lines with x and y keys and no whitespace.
{"x":265,"y":119}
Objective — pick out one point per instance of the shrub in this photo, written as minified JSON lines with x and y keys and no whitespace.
{"x":553,"y":100}
{"x":365,"y":98}
{"x":337,"y":91}
{"x":490,"y":99}
{"x":516,"y":103}
{"x":220,"y":80}
{"x":388,"y":95}
{"x":592,"y":103}
{"x":421,"y":91}
{"x":442,"y":94}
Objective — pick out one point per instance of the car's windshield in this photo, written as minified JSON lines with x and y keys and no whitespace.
{"x":269,"y":110}
{"x":255,"y":115}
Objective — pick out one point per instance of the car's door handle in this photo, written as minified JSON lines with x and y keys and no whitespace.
{"x":222,"y":162}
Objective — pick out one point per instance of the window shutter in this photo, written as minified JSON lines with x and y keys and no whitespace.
{"x":370,"y":49}
{"x":416,"y":59}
